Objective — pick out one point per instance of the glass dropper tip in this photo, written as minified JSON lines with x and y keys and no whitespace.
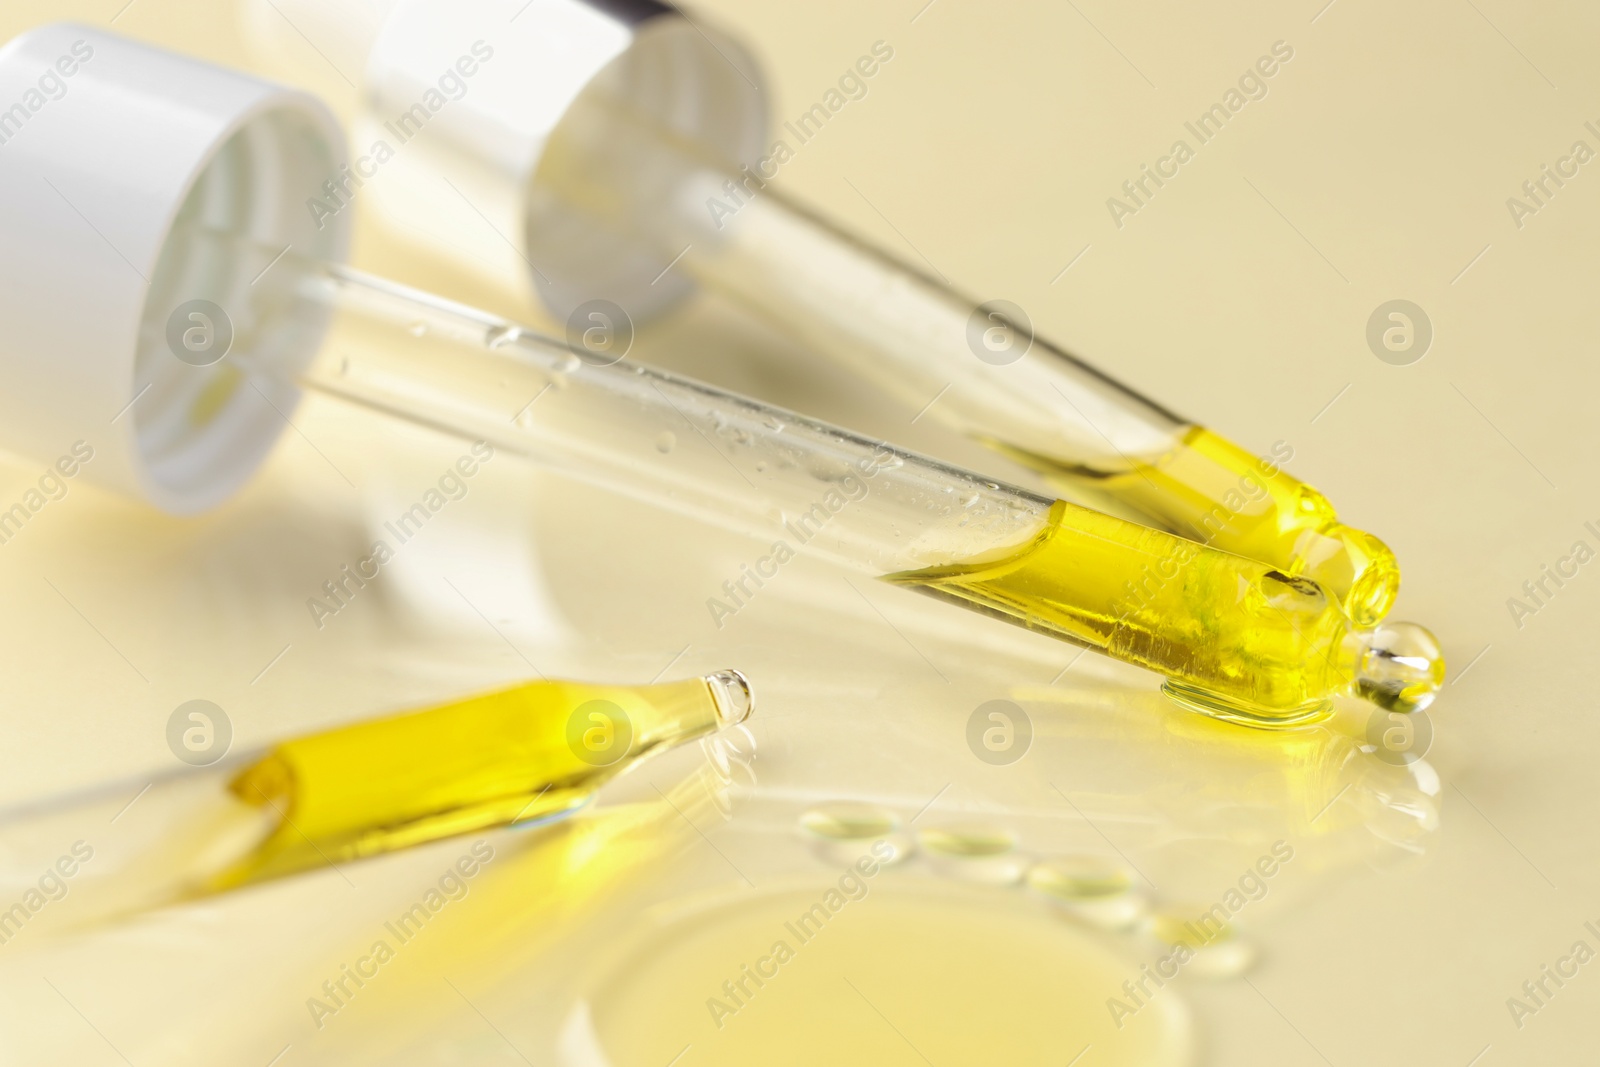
{"x":734,"y":698}
{"x":1399,"y":666}
{"x":1354,"y":563}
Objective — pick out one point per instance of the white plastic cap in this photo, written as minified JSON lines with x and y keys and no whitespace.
{"x":138,"y":188}
{"x":463,"y":95}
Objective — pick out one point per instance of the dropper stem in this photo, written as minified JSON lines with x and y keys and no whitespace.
{"x":897,"y":322}
{"x":675,"y":443}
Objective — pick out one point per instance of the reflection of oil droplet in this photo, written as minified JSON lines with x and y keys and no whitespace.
{"x":570,"y":364}
{"x":849,"y":821}
{"x":1088,"y":888}
{"x":666,"y":441}
{"x":975,"y":852}
{"x":417,"y":329}
{"x":1078,"y":878}
{"x":525,"y":417}
{"x":1218,"y":950}
{"x":844,"y":831}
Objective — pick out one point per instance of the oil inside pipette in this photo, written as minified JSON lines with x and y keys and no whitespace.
{"x":1236,"y":638}
{"x":512,"y":756}
{"x":1210,"y":490}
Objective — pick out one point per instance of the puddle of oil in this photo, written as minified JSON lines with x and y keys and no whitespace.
{"x":900,"y":975}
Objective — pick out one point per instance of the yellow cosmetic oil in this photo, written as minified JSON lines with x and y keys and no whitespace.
{"x":890,"y":974}
{"x":512,"y":756}
{"x":1236,"y":638}
{"x":1212,"y":491}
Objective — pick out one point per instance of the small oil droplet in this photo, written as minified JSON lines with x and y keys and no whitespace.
{"x":849,"y":821}
{"x":666,"y":441}
{"x":845,"y":831}
{"x":570,"y":365}
{"x":969,"y":840}
{"x":1078,"y":878}
{"x":417,"y":329}
{"x":1088,"y":888}
{"x":975,"y":852}
{"x":1218,"y":950}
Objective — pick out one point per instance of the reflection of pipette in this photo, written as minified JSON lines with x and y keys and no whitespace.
{"x":515,"y":756}
{"x":622,"y":151}
{"x":229,"y":322}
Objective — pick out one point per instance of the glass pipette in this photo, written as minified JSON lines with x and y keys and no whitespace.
{"x":515,"y":756}
{"x":970,"y":366}
{"x":204,"y":251}
{"x":1234,"y":636}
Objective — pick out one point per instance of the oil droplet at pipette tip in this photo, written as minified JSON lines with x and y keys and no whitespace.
{"x":1236,"y":638}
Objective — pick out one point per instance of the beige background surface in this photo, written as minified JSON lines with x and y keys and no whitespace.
{"x":1377,"y":167}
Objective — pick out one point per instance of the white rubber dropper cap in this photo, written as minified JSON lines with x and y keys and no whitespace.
{"x":461,"y":98}
{"x":114,"y":156}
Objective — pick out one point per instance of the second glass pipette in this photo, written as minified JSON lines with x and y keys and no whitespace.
{"x":621,"y":151}
{"x":1235,"y":637}
{"x":974,"y":367}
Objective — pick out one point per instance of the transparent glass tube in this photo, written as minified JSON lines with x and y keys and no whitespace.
{"x":973,"y":367}
{"x":679,"y":444}
{"x":1233,"y":636}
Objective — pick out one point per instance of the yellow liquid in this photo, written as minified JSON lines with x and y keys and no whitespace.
{"x":511,"y":756}
{"x":1232,"y":635}
{"x":900,"y":977}
{"x":1214,"y":492}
